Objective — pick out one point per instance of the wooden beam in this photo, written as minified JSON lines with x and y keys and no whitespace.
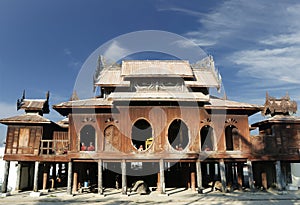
{"x":6,"y":173}
{"x":124,"y":178}
{"x":36,"y":176}
{"x":75,"y":181}
{"x":240,"y":175}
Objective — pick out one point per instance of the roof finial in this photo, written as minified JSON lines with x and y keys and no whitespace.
{"x":99,"y":68}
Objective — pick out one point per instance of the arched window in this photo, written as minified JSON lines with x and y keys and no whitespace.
{"x":232,"y":138}
{"x":112,"y":139}
{"x":87,"y":138}
{"x":141,"y":135}
{"x":178,"y":135}
{"x":207,"y":138}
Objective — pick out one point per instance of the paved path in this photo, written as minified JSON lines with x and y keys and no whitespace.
{"x":176,"y":196}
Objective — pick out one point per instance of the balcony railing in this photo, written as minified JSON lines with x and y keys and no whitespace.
{"x":54,"y":147}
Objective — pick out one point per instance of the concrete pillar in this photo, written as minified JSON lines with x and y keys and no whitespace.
{"x":250,"y":174}
{"x":278,"y":175}
{"x":5,"y":179}
{"x":100,"y":182}
{"x":69,"y":185}
{"x":124,"y":178}
{"x":199,"y":177}
{"x":162,"y":176}
{"x":18,"y":180}
{"x":223,"y":174}
{"x":36,"y":176}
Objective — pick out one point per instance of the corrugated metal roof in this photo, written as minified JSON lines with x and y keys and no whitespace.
{"x":204,"y":78}
{"x":111,"y":77}
{"x":85,"y":103}
{"x":217,"y":102}
{"x":162,"y":96}
{"x":180,"y":68}
{"x":33,"y":104}
{"x":26,"y":118}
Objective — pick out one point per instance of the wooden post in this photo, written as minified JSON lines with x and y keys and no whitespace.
{"x":250,"y":174}
{"x":5,"y":180}
{"x":264,"y":180}
{"x":162,"y":176}
{"x":158,"y":182}
{"x":100,"y":182}
{"x":199,"y":177}
{"x":278,"y":175}
{"x":69,"y":185}
{"x":36,"y":176}
{"x":53,"y":185}
{"x":193,"y":177}
{"x":240,"y":175}
{"x":223,"y":174}
{"x":75,"y":181}
{"x":124,"y":178}
{"x":45,"y":176}
{"x":18,"y":180}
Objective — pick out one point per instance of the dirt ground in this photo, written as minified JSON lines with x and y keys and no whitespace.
{"x":173,"y":196}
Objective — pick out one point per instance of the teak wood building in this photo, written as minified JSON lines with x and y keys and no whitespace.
{"x":156,"y":121}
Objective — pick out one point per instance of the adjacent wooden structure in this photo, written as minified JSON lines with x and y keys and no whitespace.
{"x":155,"y":115}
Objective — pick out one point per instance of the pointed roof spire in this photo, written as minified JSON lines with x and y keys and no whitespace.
{"x":99,"y":68}
{"x":74,"y":96}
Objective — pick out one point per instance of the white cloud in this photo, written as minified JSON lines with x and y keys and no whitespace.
{"x":115,"y":52}
{"x":73,"y":62}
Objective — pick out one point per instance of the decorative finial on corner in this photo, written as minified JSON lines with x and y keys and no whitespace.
{"x":47,"y":95}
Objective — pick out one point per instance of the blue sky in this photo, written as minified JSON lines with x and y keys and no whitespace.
{"x":43,"y":44}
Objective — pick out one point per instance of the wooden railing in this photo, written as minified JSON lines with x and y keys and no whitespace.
{"x":54,"y":147}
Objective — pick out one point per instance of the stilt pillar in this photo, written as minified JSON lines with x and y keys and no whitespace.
{"x":162,"y":176}
{"x":278,"y":175}
{"x":75,"y":181}
{"x":124,"y":178}
{"x":193,"y":177}
{"x":250,"y":174}
{"x":45,"y":176}
{"x":69,"y":185}
{"x":18,"y":180}
{"x":223,"y":174}
{"x":240,"y":175}
{"x":36,"y":176}
{"x":100,"y":181}
{"x":199,"y":177}
{"x":5,"y":179}
{"x":158,"y":182}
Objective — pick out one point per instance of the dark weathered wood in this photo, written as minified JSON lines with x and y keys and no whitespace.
{"x":6,"y":174}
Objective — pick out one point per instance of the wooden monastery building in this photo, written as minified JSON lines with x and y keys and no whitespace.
{"x":154,"y":121}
